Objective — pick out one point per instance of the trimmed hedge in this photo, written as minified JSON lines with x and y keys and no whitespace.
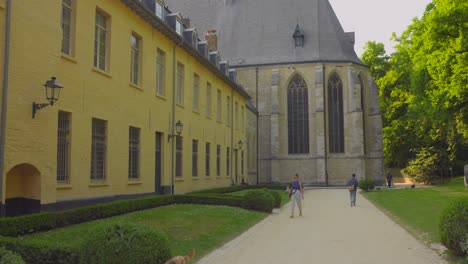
{"x":367,"y":185}
{"x":16,"y":226}
{"x":259,"y":200}
{"x":10,"y":257}
{"x":126,"y":244}
{"x":453,"y":226}
{"x":277,"y":198}
{"x":237,"y":188}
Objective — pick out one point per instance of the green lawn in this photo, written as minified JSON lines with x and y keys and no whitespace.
{"x":419,"y":210}
{"x":202,"y":227}
{"x":284,"y":195}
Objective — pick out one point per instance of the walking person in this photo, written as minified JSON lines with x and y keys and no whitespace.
{"x":296,"y":192}
{"x":389,"y":179}
{"x":352,"y":187}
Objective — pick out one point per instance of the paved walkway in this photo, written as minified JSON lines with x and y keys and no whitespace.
{"x":329,"y":232}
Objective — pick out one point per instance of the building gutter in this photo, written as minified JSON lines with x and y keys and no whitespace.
{"x":232,"y":137}
{"x":258,"y":115}
{"x":4,"y":97}
{"x":172,"y":126}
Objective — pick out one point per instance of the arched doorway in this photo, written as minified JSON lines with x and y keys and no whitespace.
{"x":23,"y":190}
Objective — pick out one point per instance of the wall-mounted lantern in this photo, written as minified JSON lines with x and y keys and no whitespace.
{"x":239,"y":144}
{"x":52,"y":89}
{"x":298,"y":37}
{"x":178,"y":128}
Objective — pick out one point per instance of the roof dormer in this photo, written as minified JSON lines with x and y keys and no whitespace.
{"x":215,"y":58}
{"x":191,"y":36}
{"x":203,"y":48}
{"x":159,"y":9}
{"x":233,"y":75}
{"x":174,"y":20}
{"x":224,"y":67}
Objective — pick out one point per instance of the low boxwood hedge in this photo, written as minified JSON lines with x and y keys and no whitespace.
{"x":10,"y":257}
{"x":259,"y":200}
{"x":277,"y":197}
{"x":237,"y":188}
{"x":453,"y":226}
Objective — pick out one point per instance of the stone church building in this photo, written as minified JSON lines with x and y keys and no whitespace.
{"x":318,"y":106}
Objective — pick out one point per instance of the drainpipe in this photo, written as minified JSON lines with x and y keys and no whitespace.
{"x":325,"y":125}
{"x":258,"y":114}
{"x":232,"y":136}
{"x":172,"y":127}
{"x":4,"y":99}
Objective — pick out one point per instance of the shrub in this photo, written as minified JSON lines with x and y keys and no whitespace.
{"x":259,"y":200}
{"x":10,"y":257}
{"x":237,"y":188}
{"x":277,"y":197}
{"x":126,"y":243}
{"x":367,"y":185}
{"x":424,"y":167}
{"x":453,"y":226}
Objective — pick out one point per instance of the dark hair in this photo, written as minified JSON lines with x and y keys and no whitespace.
{"x":354,"y":175}
{"x":297,"y":175}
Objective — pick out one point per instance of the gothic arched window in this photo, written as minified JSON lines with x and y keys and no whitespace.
{"x":298,"y":116}
{"x":335,"y":114}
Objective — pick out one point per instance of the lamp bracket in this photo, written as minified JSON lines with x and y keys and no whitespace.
{"x":36,"y":107}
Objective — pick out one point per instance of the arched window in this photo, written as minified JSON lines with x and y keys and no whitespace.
{"x":298,"y":116}
{"x":335,"y":114}
{"x":363,"y":109}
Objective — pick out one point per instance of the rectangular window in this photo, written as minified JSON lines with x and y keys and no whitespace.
{"x":101,"y":41}
{"x":160,"y":72}
{"x":228,"y":160}
{"x":159,"y":10}
{"x":242,"y":118}
{"x":134,"y":153}
{"x":218,"y":106}
{"x":196,"y":84}
{"x":218,"y":160}
{"x":208,"y":99}
{"x":236,"y":116}
{"x":194,"y":158}
{"x":67,"y":26}
{"x":179,"y":149}
{"x":180,"y":84}
{"x":98,"y":150}
{"x":228,"y":111}
{"x":63,"y":148}
{"x":179,"y":27}
{"x":242,"y":163}
{"x":207,"y":161}
{"x":136,"y":60}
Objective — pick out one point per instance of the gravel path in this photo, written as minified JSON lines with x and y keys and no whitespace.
{"x":329,"y":232}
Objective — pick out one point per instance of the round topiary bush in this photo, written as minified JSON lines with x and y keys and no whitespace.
{"x":10,"y":257}
{"x":453,"y":226}
{"x":126,"y":243}
{"x":367,"y":185}
{"x":259,"y":200}
{"x":277,"y":197}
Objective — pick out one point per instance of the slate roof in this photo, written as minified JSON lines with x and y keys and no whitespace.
{"x":259,"y":32}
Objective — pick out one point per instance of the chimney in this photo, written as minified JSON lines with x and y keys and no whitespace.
{"x":186,"y":21}
{"x":212,"y":39}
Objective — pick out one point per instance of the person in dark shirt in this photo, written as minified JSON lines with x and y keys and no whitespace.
{"x":352,"y":186}
{"x":389,"y":179}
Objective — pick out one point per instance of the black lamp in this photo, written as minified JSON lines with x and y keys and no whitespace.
{"x":52,"y":89}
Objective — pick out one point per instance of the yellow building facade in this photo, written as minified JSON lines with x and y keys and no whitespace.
{"x":128,"y":78}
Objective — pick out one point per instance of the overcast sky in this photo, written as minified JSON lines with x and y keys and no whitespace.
{"x":377,"y":19}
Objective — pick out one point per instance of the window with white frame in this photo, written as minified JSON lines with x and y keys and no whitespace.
{"x":98,"y":150}
{"x":101,"y":41}
{"x":67,"y":26}
{"x":218,"y":106}
{"x":180,"y":83}
{"x":207,"y":159}
{"x":196,"y":85}
{"x":179,"y":152}
{"x":63,"y":147}
{"x":159,"y":10}
{"x":179,"y":27}
{"x":208,"y":99}
{"x":194,"y":158}
{"x":160,"y":72}
{"x":134,"y":153}
{"x":135,"y":67}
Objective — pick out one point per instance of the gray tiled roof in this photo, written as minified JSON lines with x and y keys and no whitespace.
{"x":252,"y":32}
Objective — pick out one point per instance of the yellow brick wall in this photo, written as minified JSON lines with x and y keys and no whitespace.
{"x":89,"y":93}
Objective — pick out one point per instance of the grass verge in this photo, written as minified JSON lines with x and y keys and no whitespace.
{"x":202,"y":227}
